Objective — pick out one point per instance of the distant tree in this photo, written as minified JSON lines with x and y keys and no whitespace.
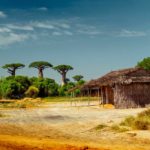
{"x":63,"y":69}
{"x":77,"y":77}
{"x":40,"y":65}
{"x":145,"y":63}
{"x":11,"y":68}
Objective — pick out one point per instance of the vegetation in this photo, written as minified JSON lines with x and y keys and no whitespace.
{"x":14,"y":87}
{"x":63,"y":69}
{"x":17,"y":87}
{"x":100,"y":127}
{"x":11,"y":68}
{"x":32,"y":92}
{"x":141,"y":122}
{"x":40,"y":65}
{"x":118,"y":128}
{"x":1,"y":115}
{"x":25,"y":103}
{"x":145,"y":63}
{"x":77,"y":78}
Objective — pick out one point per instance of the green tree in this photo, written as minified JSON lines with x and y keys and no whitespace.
{"x":63,"y":69}
{"x":40,"y":65}
{"x":77,"y":78}
{"x":46,"y":86}
{"x":11,"y":68}
{"x":145,"y":63}
{"x":14,"y":86}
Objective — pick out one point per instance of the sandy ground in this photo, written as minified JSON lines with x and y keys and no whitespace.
{"x":61,"y":126}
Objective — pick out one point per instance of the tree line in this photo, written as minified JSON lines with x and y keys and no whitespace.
{"x":22,"y":86}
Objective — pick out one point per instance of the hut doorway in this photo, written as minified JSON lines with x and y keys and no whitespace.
{"x":107,"y":95}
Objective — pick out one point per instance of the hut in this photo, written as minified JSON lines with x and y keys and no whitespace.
{"x":127,"y":88}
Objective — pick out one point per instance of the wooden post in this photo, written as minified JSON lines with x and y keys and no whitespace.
{"x":107,"y":99}
{"x":102,"y":96}
{"x":99,"y":96}
{"x":71,"y":99}
{"x":88,"y":97}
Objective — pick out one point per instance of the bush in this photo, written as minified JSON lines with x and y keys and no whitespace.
{"x":118,"y":128}
{"x":32,"y":92}
{"x":141,"y":122}
{"x":100,"y":127}
{"x":14,"y":87}
{"x":128,"y":121}
{"x":47,"y":87}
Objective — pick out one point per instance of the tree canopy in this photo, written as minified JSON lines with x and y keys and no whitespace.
{"x":63,"y":69}
{"x":40,"y":65}
{"x":11,"y":68}
{"x":77,"y":77}
{"x":145,"y":63}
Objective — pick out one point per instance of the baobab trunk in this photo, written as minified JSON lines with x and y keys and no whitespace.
{"x":63,"y":79}
{"x":40,"y":73}
{"x":12,"y":72}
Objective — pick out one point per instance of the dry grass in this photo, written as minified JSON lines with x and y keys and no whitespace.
{"x":118,"y":128}
{"x":24,"y":103}
{"x":140,"y":122}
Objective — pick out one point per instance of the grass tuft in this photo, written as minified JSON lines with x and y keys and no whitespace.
{"x":118,"y":128}
{"x":100,"y":127}
{"x":141,"y":122}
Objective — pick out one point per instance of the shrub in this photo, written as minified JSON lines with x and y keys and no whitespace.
{"x":32,"y":92}
{"x":141,"y":124}
{"x":128,"y":121}
{"x":145,"y":113}
{"x":100,"y":127}
{"x":47,"y":87}
{"x":14,"y":87}
{"x":1,"y":115}
{"x":118,"y":128}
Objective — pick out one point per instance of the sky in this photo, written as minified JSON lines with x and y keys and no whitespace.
{"x":93,"y":36}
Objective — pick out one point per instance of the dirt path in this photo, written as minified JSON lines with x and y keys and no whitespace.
{"x":60,"y":126}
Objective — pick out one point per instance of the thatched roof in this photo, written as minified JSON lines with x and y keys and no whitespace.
{"x":124,"y":76}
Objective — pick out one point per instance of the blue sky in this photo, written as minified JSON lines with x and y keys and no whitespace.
{"x":93,"y":36}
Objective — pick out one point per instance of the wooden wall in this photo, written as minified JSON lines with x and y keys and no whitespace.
{"x":132,"y":95}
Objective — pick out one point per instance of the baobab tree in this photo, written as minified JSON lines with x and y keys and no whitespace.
{"x":40,"y":65}
{"x":77,"y":78}
{"x":63,"y":69}
{"x":11,"y":68}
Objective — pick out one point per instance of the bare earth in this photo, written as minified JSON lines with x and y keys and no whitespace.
{"x":60,"y":126}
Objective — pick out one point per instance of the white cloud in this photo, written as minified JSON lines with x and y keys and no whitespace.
{"x":4,"y":30}
{"x":2,"y":14}
{"x":10,"y":38}
{"x":68,"y":33}
{"x":89,"y":32}
{"x":64,"y":25}
{"x":127,"y":33}
{"x":43,"y":8}
{"x":20,"y":27}
{"x":57,"y":33}
{"x":43,"y":25}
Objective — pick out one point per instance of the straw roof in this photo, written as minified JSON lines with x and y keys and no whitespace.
{"x":124,"y":76}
